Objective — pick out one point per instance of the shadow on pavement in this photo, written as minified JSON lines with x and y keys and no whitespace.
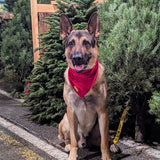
{"x":95,"y":154}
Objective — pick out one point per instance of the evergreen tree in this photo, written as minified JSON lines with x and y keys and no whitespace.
{"x":2,"y":23}
{"x":130,"y":51}
{"x":16,"y":46}
{"x":45,"y":97}
{"x":154,"y":105}
{"x":10,"y":4}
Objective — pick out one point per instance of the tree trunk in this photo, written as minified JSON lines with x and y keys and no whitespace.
{"x":139,"y":128}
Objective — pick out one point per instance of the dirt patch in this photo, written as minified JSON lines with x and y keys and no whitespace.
{"x":5,"y":85}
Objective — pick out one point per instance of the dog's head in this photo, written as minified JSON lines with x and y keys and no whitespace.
{"x":80,"y":45}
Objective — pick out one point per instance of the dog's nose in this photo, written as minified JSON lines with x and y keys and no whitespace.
{"x":77,"y":58}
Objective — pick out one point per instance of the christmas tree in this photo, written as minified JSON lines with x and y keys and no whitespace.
{"x":130,"y":51}
{"x":45,"y":97}
{"x":16,"y":46}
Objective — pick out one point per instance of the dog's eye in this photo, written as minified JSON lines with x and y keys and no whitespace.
{"x":86,"y":43}
{"x":71,"y":43}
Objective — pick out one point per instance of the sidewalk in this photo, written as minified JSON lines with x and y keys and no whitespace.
{"x":12,"y":112}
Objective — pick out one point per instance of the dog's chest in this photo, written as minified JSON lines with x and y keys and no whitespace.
{"x":85,"y":110}
{"x":86,"y":115}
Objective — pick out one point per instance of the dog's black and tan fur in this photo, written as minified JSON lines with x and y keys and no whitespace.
{"x":86,"y":117}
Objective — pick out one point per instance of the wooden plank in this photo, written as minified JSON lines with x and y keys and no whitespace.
{"x":42,"y":26}
{"x":36,"y":29}
{"x":54,"y":2}
{"x":99,"y":1}
{"x":35,"y":39}
{"x":46,"y":8}
{"x":6,"y":15}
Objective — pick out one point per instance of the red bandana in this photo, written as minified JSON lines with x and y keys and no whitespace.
{"x":83,"y":82}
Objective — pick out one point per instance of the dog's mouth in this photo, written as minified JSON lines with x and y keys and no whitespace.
{"x":80,"y":62}
{"x":79,"y":68}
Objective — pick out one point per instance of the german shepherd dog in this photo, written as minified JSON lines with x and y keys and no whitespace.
{"x":85,"y":97}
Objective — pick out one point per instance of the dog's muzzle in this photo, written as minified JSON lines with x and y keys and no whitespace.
{"x":77,"y":59}
{"x":80,"y":61}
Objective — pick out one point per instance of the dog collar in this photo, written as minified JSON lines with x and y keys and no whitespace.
{"x":83,"y":82}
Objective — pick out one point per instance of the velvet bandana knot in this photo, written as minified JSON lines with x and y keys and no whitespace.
{"x":83,"y":82}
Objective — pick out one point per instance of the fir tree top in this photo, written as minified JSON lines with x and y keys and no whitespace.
{"x":45,"y":98}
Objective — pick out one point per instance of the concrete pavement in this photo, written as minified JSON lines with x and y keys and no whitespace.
{"x":15,"y":118}
{"x":13,"y":147}
{"x":37,"y":142}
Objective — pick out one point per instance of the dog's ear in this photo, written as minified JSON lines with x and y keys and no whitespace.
{"x":93,"y":25}
{"x":65,"y":26}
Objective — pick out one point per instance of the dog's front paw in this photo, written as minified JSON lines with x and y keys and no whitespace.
{"x":67,"y":148}
{"x":106,"y":156}
{"x":73,"y":154}
{"x":114,"y":148}
{"x":72,"y":157}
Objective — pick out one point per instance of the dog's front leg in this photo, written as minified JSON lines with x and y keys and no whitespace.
{"x":104,"y":131}
{"x":73,"y":130}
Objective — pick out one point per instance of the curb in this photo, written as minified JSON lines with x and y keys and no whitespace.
{"x":8,"y":95}
{"x":141,"y":148}
{"x":37,"y":142}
